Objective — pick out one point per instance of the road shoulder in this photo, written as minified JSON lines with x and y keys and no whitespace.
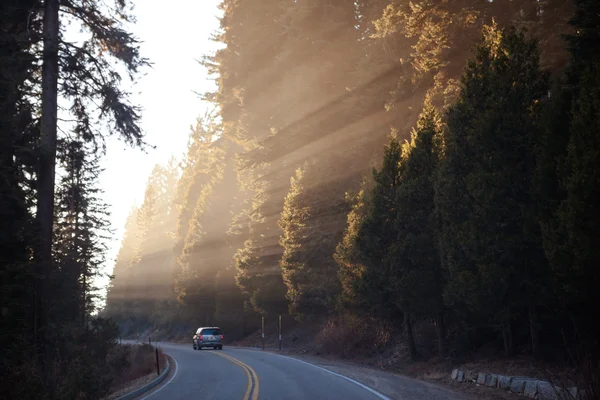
{"x":393,"y":385}
{"x":164,"y":382}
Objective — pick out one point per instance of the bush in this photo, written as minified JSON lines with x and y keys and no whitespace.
{"x":347,"y":334}
{"x":131,"y":362}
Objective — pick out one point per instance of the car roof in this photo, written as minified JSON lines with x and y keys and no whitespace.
{"x":209,"y":327}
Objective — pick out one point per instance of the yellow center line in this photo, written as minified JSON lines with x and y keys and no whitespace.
{"x":250,"y":374}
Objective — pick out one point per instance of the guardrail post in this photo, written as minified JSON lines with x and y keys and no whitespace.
{"x":263,"y":332}
{"x":149,"y":341}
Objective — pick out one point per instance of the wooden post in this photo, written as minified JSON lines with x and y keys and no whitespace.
{"x":157,"y":365}
{"x":149,"y":341}
{"x":279,"y":332}
{"x":263,"y":332}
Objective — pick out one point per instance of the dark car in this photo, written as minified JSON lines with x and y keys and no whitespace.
{"x":208,"y":337}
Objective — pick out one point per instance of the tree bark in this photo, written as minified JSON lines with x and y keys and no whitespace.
{"x":441,"y":333}
{"x":410,"y":339}
{"x":533,"y":329}
{"x":507,"y":336}
{"x":45,"y":178}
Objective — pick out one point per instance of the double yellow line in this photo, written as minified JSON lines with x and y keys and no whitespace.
{"x":253,"y":383}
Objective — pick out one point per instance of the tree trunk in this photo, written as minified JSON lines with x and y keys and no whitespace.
{"x":511,"y":342}
{"x":507,"y":336}
{"x":533,"y":329}
{"x":441,"y":333}
{"x":45,"y":178}
{"x":412,"y":349}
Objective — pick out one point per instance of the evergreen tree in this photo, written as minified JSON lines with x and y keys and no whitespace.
{"x":80,"y":233}
{"x":18,"y":128}
{"x":494,"y":128}
{"x":347,"y":254}
{"x":377,"y":233}
{"x":308,"y":239}
{"x":579,"y":279}
{"x":416,"y":272}
{"x":196,"y":280}
{"x":118,"y":297}
{"x":151,"y":268}
{"x":87,"y":78}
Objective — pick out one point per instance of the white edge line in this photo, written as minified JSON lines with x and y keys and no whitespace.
{"x":163,"y":386}
{"x":373,"y":391}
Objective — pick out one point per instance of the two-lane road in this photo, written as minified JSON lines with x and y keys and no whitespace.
{"x":235,"y":374}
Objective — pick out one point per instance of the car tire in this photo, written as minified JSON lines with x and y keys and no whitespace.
{"x":220,"y":347}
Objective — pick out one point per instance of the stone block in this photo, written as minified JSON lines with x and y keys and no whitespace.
{"x":481,"y":378}
{"x":454,"y":374}
{"x":504,"y":382}
{"x":491,"y":380}
{"x":517,"y":385}
{"x":547,"y":391}
{"x":471,"y":376}
{"x":531,"y":388}
{"x":460,"y":376}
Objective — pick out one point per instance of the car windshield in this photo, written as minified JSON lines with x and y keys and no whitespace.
{"x":213,"y":332}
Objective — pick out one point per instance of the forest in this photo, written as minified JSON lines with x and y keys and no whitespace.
{"x":387,"y":161}
{"x":381,"y":163}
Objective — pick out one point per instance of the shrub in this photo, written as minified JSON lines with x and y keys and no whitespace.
{"x":346,"y":334}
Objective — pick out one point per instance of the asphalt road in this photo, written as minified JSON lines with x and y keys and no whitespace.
{"x":243,"y":374}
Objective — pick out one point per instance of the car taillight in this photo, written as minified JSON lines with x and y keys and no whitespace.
{"x":200,"y":337}
{"x":222,"y":337}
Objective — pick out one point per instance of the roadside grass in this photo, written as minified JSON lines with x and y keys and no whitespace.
{"x":133,"y":366}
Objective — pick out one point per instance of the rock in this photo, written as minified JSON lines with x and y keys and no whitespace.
{"x":454,"y":374}
{"x":471,"y":376}
{"x":481,"y":378}
{"x":504,"y":382}
{"x":573,"y":393}
{"x":517,"y":385}
{"x":547,"y":391}
{"x":461,"y":376}
{"x":491,"y":380}
{"x":531,"y":388}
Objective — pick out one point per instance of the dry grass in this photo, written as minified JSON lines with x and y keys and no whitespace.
{"x":139,"y":366}
{"x":347,"y":335}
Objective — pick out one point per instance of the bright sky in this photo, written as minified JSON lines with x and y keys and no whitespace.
{"x":173,"y":37}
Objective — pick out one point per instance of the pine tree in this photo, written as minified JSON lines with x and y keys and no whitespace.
{"x":416,"y":270}
{"x":579,"y":279}
{"x":196,"y":280}
{"x":80,"y":232}
{"x":347,"y":254}
{"x":152,"y":257}
{"x":118,"y":297}
{"x":87,"y":77}
{"x":377,"y":233}
{"x":308,"y":239}
{"x":17,"y":163}
{"x":496,"y":123}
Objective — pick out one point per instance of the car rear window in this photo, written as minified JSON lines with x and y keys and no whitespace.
{"x":213,"y":332}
